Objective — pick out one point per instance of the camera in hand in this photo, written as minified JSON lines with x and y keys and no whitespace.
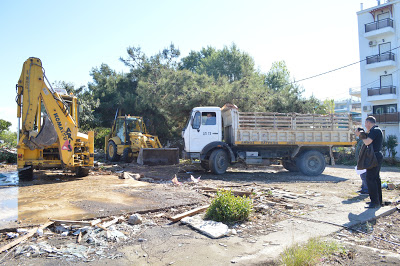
{"x":360,"y":129}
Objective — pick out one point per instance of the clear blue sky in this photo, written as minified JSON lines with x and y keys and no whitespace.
{"x":72,"y":37}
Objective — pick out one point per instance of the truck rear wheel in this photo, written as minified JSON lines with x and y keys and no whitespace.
{"x":311,"y":163}
{"x":290,"y":166}
{"x":112,"y":151}
{"x":218,"y":162}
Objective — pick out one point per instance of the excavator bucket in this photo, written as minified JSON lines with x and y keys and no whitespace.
{"x":46,"y":136}
{"x":164,"y":156}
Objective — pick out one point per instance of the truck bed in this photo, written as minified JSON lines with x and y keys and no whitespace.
{"x":258,"y":128}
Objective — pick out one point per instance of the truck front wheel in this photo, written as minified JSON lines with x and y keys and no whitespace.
{"x":218,"y":162}
{"x":311,"y":163}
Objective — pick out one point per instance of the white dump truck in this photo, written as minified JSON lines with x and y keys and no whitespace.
{"x":217,"y":137}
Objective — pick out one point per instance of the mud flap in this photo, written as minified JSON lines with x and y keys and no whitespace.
{"x":165,"y":156}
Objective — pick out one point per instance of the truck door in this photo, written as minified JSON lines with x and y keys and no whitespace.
{"x":205,"y":128}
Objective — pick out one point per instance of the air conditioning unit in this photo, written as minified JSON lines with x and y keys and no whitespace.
{"x":367,"y":108}
{"x":372,"y":43}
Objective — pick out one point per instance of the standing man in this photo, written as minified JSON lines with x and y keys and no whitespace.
{"x":374,"y":138}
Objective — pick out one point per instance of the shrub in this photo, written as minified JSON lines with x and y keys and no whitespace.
{"x":8,"y":157}
{"x":314,"y":251}
{"x":228,"y":208}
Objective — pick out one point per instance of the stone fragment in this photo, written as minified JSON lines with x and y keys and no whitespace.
{"x":391,"y":186}
{"x":135,"y":219}
{"x":12,"y":235}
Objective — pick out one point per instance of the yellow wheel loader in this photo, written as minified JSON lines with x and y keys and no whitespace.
{"x":130,"y":140}
{"x":48,"y":136}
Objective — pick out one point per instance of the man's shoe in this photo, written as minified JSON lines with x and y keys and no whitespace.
{"x":372,"y":206}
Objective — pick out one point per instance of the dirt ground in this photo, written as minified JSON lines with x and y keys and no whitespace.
{"x":157,"y":241}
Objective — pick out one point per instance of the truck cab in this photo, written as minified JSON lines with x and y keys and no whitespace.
{"x":204,"y":126}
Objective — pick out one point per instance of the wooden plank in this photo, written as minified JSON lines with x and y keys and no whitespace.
{"x":24,"y":237}
{"x":236,"y":193}
{"x":113,"y":221}
{"x":188,"y":213}
{"x":84,"y":223}
{"x":78,"y":240}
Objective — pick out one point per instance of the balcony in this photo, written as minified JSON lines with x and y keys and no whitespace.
{"x":389,"y":118}
{"x":380,"y":60}
{"x":382,"y":90}
{"x":379,"y":28}
{"x":381,"y":94}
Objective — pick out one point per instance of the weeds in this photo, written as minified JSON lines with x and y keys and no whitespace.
{"x":228,"y":208}
{"x":313,"y":252}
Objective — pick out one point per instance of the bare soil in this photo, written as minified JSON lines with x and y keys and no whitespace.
{"x":157,"y":241}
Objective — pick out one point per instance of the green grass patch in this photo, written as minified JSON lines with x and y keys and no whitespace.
{"x":311,"y":253}
{"x":228,"y":208}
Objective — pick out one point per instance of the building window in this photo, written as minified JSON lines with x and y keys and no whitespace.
{"x":384,"y":48}
{"x":386,"y":81}
{"x":383,"y":16}
{"x":385,"y":109}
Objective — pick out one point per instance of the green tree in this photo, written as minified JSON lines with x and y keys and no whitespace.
{"x":329,"y":105}
{"x":4,"y":125}
{"x":112,"y":91}
{"x":229,"y":62}
{"x":284,"y":94}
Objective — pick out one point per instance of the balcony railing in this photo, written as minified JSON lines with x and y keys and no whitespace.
{"x":387,"y":118}
{"x":379,"y":24}
{"x":380,"y":58}
{"x":382,"y":90}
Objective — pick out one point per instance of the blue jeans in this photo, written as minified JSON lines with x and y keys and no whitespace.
{"x":364,"y":186}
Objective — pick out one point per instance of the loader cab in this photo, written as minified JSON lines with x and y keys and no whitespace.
{"x":125,"y":125}
{"x":203,"y":127}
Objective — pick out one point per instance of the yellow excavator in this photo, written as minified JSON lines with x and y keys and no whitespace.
{"x":48,"y":134}
{"x":129,"y":140}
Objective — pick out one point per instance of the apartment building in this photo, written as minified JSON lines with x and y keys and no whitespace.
{"x":379,"y":32}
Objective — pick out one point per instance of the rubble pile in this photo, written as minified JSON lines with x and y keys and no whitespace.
{"x":75,"y":241}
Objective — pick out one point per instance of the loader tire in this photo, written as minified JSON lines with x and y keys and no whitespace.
{"x":290,"y":166}
{"x":81,"y":171}
{"x":311,"y":163}
{"x":26,"y":174}
{"x":112,"y":151}
{"x":218,"y":162}
{"x":127,"y":155}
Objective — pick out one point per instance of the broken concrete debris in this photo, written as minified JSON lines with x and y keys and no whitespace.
{"x":209,"y":228}
{"x":135,"y":219}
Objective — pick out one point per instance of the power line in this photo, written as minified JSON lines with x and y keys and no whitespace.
{"x":336,"y":69}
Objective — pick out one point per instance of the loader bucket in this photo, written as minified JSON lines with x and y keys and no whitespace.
{"x":165,"y":156}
